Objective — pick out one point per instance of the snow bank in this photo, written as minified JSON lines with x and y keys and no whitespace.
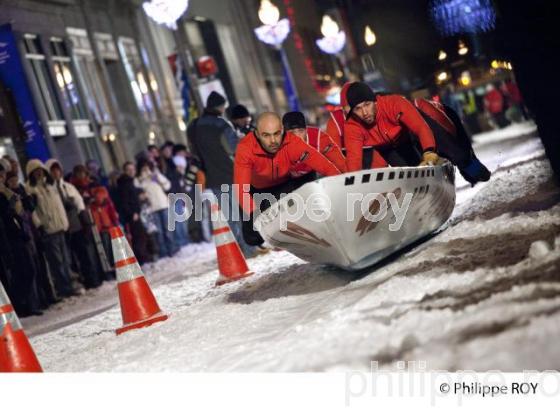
{"x":512,"y":131}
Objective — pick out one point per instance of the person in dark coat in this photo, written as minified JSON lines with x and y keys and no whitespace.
{"x":130,"y":208}
{"x":22,"y":264}
{"x":44,"y":283}
{"x":214,"y":142}
{"x":165,"y":159}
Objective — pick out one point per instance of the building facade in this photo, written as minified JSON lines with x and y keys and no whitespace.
{"x":99,"y":79}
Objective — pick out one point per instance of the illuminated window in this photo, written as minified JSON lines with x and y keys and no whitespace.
{"x":65,"y":79}
{"x":97,"y":100}
{"x":34,"y":53}
{"x":138,"y":81}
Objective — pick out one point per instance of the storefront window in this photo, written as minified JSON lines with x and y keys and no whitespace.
{"x":153,"y":82}
{"x":96,"y":94}
{"x":138,"y":82}
{"x":96,"y":97}
{"x":65,"y":80}
{"x":34,"y":53}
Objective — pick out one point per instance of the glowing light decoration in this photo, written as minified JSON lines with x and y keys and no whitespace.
{"x":441,"y":77}
{"x":329,"y":27}
{"x":496,"y":64}
{"x":269,"y":13}
{"x":369,"y":36}
{"x":465,"y":78}
{"x":463,"y":49}
{"x":332,"y":45}
{"x":453,"y":17}
{"x":274,"y":35}
{"x":334,"y":39}
{"x":274,"y":32}
{"x":442,"y":55}
{"x":166,"y":12}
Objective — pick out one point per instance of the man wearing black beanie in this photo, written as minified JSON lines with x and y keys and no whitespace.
{"x":295,"y":123}
{"x":216,"y":103}
{"x":242,"y":121}
{"x":406,"y":134}
{"x":214,"y":142}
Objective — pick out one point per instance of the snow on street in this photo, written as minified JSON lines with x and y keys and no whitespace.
{"x":483,"y":294}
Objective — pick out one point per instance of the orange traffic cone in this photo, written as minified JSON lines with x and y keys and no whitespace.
{"x":139,"y":307}
{"x":231,"y":262}
{"x":16,"y":353}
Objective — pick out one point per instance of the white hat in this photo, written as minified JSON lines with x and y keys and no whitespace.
{"x":32,"y":165}
{"x":52,"y":161}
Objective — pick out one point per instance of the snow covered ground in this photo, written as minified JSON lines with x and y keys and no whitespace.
{"x":484,"y":294}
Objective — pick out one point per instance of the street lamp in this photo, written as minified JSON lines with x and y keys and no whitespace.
{"x":269,"y":13}
{"x":442,"y":55}
{"x":333,"y":41}
{"x":274,"y":32}
{"x":369,"y":36}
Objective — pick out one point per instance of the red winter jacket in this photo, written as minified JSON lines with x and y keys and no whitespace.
{"x":324,"y":144}
{"x":103,"y":210}
{"x":335,"y":127}
{"x":494,"y":101}
{"x":254,"y":166}
{"x":394,"y":114}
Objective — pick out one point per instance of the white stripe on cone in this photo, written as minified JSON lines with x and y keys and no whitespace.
{"x":8,"y":317}
{"x":121,"y":252}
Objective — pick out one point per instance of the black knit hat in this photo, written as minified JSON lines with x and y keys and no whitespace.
{"x":292,"y":120}
{"x":239,"y":111}
{"x":359,"y":92}
{"x":215,"y":100}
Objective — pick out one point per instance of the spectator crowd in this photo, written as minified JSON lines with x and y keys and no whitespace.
{"x":54,"y":224}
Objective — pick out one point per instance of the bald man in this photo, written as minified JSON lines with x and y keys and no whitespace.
{"x":263,"y":162}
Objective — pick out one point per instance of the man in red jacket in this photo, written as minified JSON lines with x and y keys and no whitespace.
{"x":405,"y":134}
{"x":335,"y":124}
{"x":263,"y":161}
{"x":295,"y":123}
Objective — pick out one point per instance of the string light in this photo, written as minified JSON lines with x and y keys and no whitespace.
{"x":452,"y":17}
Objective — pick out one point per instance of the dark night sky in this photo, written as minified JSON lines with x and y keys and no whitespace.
{"x":407,"y":42}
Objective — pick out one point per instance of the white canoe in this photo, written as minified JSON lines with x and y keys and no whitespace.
{"x":350,"y":232}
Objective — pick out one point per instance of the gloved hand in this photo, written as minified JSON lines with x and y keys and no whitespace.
{"x":429,"y":158}
{"x":251,"y":236}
